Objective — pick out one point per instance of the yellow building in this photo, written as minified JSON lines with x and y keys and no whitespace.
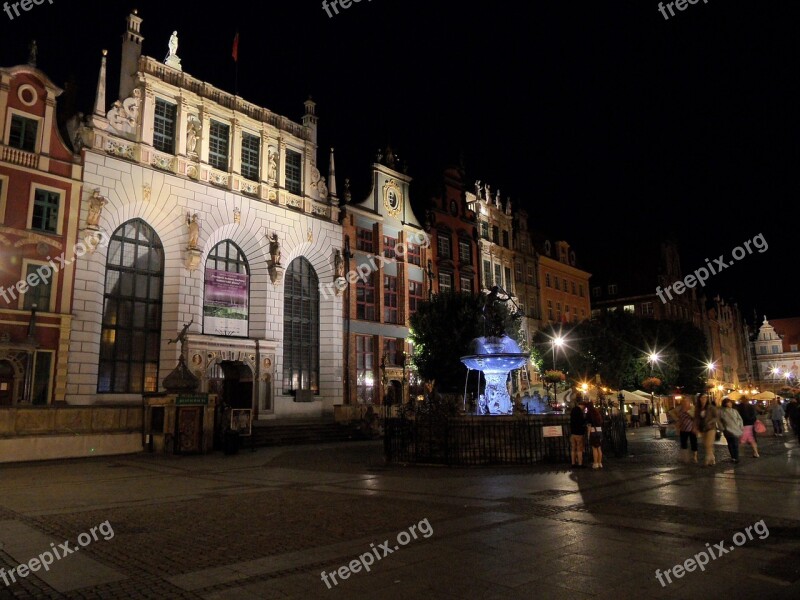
{"x":564,"y":288}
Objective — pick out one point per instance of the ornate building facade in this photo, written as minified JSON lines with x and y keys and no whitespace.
{"x":777,"y":354}
{"x":220,"y":225}
{"x":387,"y":271}
{"x":496,"y":233}
{"x":40,"y":187}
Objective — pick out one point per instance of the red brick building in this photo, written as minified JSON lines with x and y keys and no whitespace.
{"x":40,"y":187}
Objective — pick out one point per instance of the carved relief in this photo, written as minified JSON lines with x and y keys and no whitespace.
{"x":124,"y":115}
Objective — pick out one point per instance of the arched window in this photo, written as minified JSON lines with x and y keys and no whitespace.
{"x":131,"y":338}
{"x":300,"y":328}
{"x":227,"y":291}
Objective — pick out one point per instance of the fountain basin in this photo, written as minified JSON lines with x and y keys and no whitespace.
{"x":495,"y":357}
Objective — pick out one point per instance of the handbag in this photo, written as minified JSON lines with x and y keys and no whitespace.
{"x":759,"y":427}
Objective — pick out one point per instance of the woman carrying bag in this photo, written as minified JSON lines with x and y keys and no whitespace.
{"x":732,"y":427}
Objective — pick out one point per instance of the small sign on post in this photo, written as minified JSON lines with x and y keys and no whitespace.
{"x":552,"y":431}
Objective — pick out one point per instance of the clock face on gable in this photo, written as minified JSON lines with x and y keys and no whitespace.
{"x":392,"y":198}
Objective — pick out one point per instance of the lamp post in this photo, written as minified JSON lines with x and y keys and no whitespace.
{"x":653,"y":358}
{"x":557,"y":342}
{"x":711,"y":366}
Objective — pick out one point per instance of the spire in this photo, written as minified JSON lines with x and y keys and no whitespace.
{"x":100,"y":94}
{"x":332,"y":179}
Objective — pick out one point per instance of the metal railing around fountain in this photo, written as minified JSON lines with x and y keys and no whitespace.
{"x":477,"y":440}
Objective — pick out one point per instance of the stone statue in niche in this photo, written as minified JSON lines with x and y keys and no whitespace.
{"x":272,"y":171}
{"x":96,"y":204}
{"x":192,"y":135}
{"x":338,"y":264}
{"x":275,"y":250}
{"x":194,"y":230}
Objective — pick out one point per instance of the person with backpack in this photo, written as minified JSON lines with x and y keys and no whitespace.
{"x":595,"y":421}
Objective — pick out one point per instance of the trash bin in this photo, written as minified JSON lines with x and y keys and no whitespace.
{"x":231,"y":443}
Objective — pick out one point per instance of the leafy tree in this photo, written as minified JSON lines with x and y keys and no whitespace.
{"x":442,"y":330}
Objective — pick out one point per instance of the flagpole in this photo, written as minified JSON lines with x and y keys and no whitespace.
{"x":235,"y":55}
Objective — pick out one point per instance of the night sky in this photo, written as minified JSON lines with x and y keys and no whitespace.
{"x":608,"y":123}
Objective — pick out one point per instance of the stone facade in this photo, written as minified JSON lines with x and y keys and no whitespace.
{"x":204,"y":170}
{"x":564,"y":287}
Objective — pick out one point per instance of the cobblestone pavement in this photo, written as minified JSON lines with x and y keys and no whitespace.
{"x":267,"y":524}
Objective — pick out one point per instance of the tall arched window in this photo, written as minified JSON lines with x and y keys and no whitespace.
{"x":227,"y":291}
{"x":131,"y":338}
{"x":300,"y":328}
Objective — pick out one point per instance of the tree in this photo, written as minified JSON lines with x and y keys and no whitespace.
{"x":442,"y":331}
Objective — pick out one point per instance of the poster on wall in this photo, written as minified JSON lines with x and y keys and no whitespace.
{"x":225,"y":304}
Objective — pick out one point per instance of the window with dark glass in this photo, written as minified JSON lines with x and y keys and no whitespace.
{"x":37,"y":295}
{"x":415,"y":296}
{"x":300,"y":327}
{"x":23,"y":133}
{"x":389,"y":244}
{"x":574,"y":290}
{"x":218,"y":140}
{"x":498,"y":275}
{"x":251,"y":156}
{"x":45,"y":211}
{"x":414,"y":254}
{"x":556,"y":283}
{"x":164,"y":126}
{"x":580,"y":290}
{"x":550,"y":309}
{"x":505,"y":239}
{"x":547,"y":279}
{"x":464,"y":252}
{"x":509,"y":283}
{"x":484,"y":230}
{"x":391,"y":350}
{"x":443,"y":245}
{"x":596,"y":292}
{"x":40,"y":395}
{"x":466,"y":285}
{"x":294,"y":164}
{"x":495,"y":234}
{"x":130,"y":343}
{"x":364,"y":239}
{"x":518,"y":274}
{"x":365,"y":298}
{"x":365,"y":369}
{"x":390,"y":313}
{"x":487,"y":274}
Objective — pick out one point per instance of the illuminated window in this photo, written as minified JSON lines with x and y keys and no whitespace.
{"x":365,"y":369}
{"x":415,"y":296}
{"x":300,"y":327}
{"x":293,"y":171}
{"x":445,"y":283}
{"x":443,"y":245}
{"x":251,"y":156}
{"x":218,"y":139}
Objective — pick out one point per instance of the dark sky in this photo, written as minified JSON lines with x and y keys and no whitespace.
{"x":607,"y":122}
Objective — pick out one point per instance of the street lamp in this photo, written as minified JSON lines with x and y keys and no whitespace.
{"x":557,"y":342}
{"x":711,"y":366}
{"x":653,"y":358}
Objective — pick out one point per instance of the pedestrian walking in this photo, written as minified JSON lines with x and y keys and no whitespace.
{"x":793,"y":416}
{"x":577,"y":438}
{"x":777,"y":417}
{"x":686,"y":430}
{"x":635,"y":415}
{"x":705,"y":420}
{"x":731,"y":423}
{"x":595,"y":422}
{"x":749,"y":419}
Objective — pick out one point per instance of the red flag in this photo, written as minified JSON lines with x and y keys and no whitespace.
{"x":235,"y":51}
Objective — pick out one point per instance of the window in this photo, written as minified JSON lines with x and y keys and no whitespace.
{"x":612,"y":289}
{"x":583,"y":313}
{"x":365,"y":299}
{"x":629,"y":308}
{"x":793,"y":348}
{"x":388,"y":246}
{"x":574,"y":291}
{"x":414,"y":254}
{"x":392,"y":350}
{"x":414,"y":296}
{"x":227,"y":291}
{"x":445,"y":283}
{"x":509,"y":284}
{"x":390,"y":314}
{"x":505,"y":239}
{"x":45,"y":211}
{"x":364,"y":239}
{"x":530,"y":278}
{"x":23,"y":133}
{"x":294,"y":164}
{"x":484,"y":230}
{"x":130,"y":343}
{"x":164,"y":126}
{"x":547,"y":279}
{"x":443,"y":245}
{"x":365,"y":367}
{"x":523,"y":244}
{"x":498,"y":275}
{"x":550,"y":309}
{"x":558,"y":311}
{"x":251,"y":156}
{"x":38,"y":295}
{"x":487,"y":274}
{"x":566,"y":310}
{"x":495,"y":234}
{"x":300,"y":327}
{"x":43,"y":362}
{"x":466,"y":285}
{"x":518,"y":279}
{"x":776,"y":349}
{"x":218,"y":145}
{"x":580,"y":290}
{"x":647,"y":309}
{"x":596,"y":313}
{"x":596,"y":292}
{"x":464,"y":252}
{"x":555,"y":281}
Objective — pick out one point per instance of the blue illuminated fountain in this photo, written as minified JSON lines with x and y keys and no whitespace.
{"x":495,"y":355}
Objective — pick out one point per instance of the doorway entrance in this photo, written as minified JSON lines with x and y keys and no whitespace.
{"x":6,"y":383}
{"x":233,"y":384}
